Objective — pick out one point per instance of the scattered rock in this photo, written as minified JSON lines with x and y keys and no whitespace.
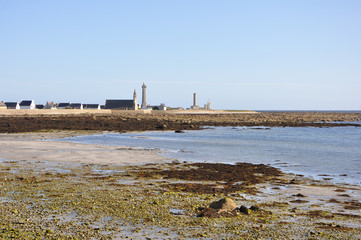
{"x":299,"y":195}
{"x":216,"y":213}
{"x":175,"y":162}
{"x":224,"y":207}
{"x":254,"y":208}
{"x":299,"y":201}
{"x":293,"y":181}
{"x":244,"y":210}
{"x":226,"y":204}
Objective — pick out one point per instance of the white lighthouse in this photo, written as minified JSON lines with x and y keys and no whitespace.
{"x":135,"y":104}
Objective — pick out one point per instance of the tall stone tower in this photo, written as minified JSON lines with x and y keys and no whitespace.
{"x":135,"y":100}
{"x":144,"y":96}
{"x":195,"y":106}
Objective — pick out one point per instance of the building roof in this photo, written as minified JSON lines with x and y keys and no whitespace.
{"x":26,"y":102}
{"x":39,"y":106}
{"x":119,"y":104}
{"x":75,"y":105}
{"x":11,"y":104}
{"x":64,"y":105}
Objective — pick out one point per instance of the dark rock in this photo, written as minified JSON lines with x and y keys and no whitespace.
{"x":254,"y":208}
{"x":299,"y":195}
{"x":293,"y":181}
{"x":161,"y":126}
{"x":299,"y":201}
{"x":244,"y":210}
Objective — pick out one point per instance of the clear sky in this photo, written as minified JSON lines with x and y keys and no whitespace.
{"x":262,"y":54}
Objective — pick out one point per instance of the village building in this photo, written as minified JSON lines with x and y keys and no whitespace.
{"x":2,"y":105}
{"x":50,"y":105}
{"x":91,"y":106}
{"x":12,"y":105}
{"x":63,"y":106}
{"x":76,"y":105}
{"x":27,"y":104}
{"x":161,"y":107}
{"x":39,"y":106}
{"x":126,"y":104}
{"x":207,"y":106}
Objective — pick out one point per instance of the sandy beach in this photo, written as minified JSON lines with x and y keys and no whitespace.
{"x":39,"y":147}
{"x":62,"y":190}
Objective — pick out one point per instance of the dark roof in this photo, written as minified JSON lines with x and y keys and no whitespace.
{"x":25,"y":103}
{"x":39,"y":106}
{"x":90,"y":105}
{"x":11,"y":104}
{"x":75,"y":105}
{"x":119,"y":104}
{"x":64,"y":105}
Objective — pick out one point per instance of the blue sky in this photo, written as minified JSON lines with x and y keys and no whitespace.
{"x":261,"y":54}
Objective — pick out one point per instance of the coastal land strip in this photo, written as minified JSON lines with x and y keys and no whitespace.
{"x":122,"y":121}
{"x":60,"y":190}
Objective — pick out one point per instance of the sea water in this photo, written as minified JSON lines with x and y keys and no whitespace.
{"x":314,"y":152}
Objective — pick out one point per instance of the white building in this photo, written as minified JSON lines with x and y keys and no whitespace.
{"x":91,"y":106}
{"x":27,"y":104}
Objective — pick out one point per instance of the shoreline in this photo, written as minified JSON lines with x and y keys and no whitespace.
{"x":292,"y":206}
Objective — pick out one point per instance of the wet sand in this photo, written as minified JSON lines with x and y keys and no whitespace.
{"x":64,"y":190}
{"x":31,"y":147}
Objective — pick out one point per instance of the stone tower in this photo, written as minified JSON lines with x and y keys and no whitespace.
{"x":195,"y":106}
{"x":144,"y":96}
{"x":135,"y":100}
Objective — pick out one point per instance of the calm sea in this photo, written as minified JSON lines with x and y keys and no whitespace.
{"x":314,"y":152}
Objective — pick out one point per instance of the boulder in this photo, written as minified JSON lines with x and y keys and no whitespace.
{"x":225,"y":204}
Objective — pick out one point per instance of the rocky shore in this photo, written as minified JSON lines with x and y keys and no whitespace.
{"x":62,"y":190}
{"x":55,"y":200}
{"x":124,"y":121}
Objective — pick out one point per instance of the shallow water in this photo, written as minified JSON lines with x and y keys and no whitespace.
{"x":315,"y":152}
